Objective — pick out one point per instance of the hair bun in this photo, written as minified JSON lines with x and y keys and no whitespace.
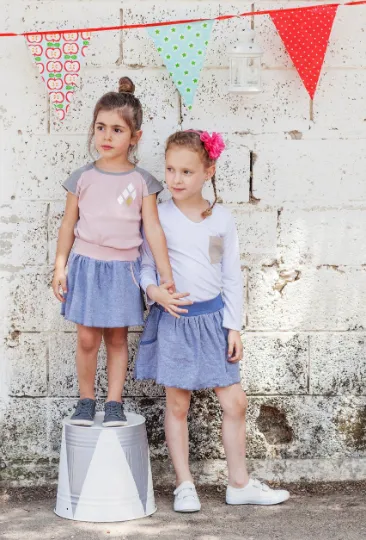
{"x":126,"y":85}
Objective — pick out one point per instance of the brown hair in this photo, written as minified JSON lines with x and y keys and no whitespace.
{"x":192,"y":141}
{"x":125,"y":103}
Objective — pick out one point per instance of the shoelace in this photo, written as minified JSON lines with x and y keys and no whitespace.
{"x":114,"y":409}
{"x":85,"y":406}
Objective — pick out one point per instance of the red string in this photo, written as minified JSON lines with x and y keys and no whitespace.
{"x":186,"y":21}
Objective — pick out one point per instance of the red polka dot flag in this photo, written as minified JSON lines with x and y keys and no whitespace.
{"x":305,"y":34}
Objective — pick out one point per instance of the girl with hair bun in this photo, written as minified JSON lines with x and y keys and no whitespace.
{"x":107,"y":201}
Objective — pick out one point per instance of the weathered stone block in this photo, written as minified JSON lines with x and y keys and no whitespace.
{"x":151,"y":156}
{"x":58,"y":409}
{"x":338,"y":364}
{"x":347,"y":45}
{"x":309,"y":173}
{"x":227,"y":33}
{"x":233,"y":172}
{"x":275,"y":54}
{"x":6,"y":279}
{"x":25,"y":101}
{"x":314,"y":300}
{"x":304,"y":427}
{"x":315,"y":237}
{"x":42,"y":178}
{"x":158,"y":95}
{"x":205,"y":419}
{"x":257,"y":230}
{"x":62,"y":365}
{"x":23,"y":234}
{"x":275,"y":363}
{"x":30,"y":295}
{"x":350,"y":420}
{"x":24,"y":430}
{"x":282,"y":106}
{"x":335,"y":106}
{"x":63,"y":376}
{"x":28,"y":358}
{"x":55,"y":216}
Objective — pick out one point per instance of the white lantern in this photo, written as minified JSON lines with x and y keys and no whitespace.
{"x":245,"y":65}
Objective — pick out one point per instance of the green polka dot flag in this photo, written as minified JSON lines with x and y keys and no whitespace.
{"x":182,"y":48}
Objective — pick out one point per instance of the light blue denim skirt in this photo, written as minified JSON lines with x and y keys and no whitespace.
{"x":103,"y":294}
{"x":188,"y":353}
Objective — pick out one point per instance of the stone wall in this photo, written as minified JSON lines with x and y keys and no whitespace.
{"x":294,"y":176}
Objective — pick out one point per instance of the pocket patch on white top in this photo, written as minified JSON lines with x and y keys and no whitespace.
{"x":216,"y":249}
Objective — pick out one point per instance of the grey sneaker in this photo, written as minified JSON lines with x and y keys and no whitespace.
{"x":114,"y":415}
{"x":84,"y":413}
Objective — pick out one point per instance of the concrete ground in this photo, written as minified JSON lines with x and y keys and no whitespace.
{"x":324,"y":514}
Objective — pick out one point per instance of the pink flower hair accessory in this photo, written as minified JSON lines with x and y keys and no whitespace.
{"x":214,"y":144}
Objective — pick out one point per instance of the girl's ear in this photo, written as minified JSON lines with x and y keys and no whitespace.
{"x":135,"y":139}
{"x":210,"y":171}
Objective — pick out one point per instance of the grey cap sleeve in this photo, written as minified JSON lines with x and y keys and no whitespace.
{"x":152,"y":184}
{"x":72,"y":183}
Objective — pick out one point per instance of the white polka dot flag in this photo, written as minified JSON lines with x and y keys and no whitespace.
{"x":305,"y":34}
{"x":182,"y":48}
{"x":58,"y":57}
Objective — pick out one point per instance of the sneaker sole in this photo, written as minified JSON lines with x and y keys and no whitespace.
{"x":85,"y":423}
{"x":188,"y":511}
{"x":114,"y":424}
{"x":261,"y":503}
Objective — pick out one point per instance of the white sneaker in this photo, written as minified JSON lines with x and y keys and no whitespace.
{"x":255,"y":492}
{"x":186,"y":498}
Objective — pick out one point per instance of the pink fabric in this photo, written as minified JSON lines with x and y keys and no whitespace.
{"x":110,"y":214}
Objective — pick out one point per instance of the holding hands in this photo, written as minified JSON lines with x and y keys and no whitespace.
{"x":169,"y":300}
{"x":173,"y":303}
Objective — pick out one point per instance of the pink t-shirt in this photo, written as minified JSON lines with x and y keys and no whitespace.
{"x":109,"y":224}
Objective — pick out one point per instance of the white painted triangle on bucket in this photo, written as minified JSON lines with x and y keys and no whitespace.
{"x":109,"y":492}
{"x":63,"y":503}
{"x":150,"y":502}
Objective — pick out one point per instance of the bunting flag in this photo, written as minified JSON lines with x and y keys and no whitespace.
{"x":305,"y":34}
{"x":183,"y":48}
{"x":58,"y":57}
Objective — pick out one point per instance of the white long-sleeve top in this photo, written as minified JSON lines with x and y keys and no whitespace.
{"x":204,"y":257}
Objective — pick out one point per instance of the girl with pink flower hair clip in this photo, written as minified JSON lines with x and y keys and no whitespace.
{"x":195,"y":343}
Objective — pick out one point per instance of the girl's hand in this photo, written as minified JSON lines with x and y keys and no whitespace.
{"x":59,"y":284}
{"x":170,"y":302}
{"x":235,"y":352}
{"x":172,"y":288}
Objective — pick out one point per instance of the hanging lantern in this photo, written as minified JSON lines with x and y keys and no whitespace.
{"x":245,"y":65}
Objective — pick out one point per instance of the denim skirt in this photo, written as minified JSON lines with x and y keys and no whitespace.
{"x":189,"y":353}
{"x":103,"y":294}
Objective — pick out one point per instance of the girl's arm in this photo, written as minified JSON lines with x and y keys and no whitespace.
{"x":156,"y":238}
{"x":65,"y":242}
{"x":155,"y":293}
{"x":232,"y":291}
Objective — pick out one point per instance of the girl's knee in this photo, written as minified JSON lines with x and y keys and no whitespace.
{"x":115,"y":338}
{"x":89,"y":340}
{"x":237,"y":407}
{"x":178,"y":406}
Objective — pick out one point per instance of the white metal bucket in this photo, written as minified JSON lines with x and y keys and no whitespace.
{"x":105,"y":473}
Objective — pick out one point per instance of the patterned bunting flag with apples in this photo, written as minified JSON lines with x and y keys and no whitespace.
{"x":58,"y":58}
